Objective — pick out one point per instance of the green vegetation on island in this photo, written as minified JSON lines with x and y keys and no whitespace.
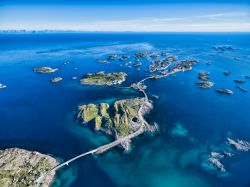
{"x":95,"y":113}
{"x":102,"y":79}
{"x":22,"y":168}
{"x":119,"y":119}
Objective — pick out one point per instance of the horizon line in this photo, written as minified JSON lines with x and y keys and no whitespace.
{"x":16,"y":31}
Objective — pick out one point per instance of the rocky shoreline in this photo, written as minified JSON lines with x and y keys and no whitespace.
{"x":19,"y":167}
{"x":102,"y":79}
{"x":214,"y":162}
{"x":117,"y":120}
{"x":123,"y":117}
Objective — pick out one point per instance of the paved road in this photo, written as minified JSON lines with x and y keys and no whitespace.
{"x":102,"y":148}
{"x":108,"y":146}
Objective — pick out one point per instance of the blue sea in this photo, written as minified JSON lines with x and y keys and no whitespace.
{"x":38,"y":115}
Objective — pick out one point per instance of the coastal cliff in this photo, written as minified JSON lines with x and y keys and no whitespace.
{"x":118,"y":120}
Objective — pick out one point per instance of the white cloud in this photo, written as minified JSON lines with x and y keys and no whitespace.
{"x":180,"y":18}
{"x":235,"y":21}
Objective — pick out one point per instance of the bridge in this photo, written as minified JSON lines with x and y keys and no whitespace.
{"x":108,"y":146}
{"x":98,"y":150}
{"x":102,"y":148}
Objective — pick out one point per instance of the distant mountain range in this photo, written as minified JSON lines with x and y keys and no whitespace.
{"x":36,"y":31}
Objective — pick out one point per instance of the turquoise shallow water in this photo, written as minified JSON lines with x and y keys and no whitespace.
{"x":37,"y":115}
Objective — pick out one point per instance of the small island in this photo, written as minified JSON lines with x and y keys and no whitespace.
{"x":204,"y":76}
{"x":118,"y":120}
{"x":227,"y":73}
{"x":102,"y":61}
{"x":242,"y":89}
{"x":112,"y":57}
{"x":19,"y":167}
{"x":140,"y":55}
{"x":239,"y":145}
{"x":45,"y":70}
{"x":158,"y":65}
{"x":56,"y":79}
{"x":124,"y":57}
{"x":137,"y":64}
{"x":215,"y":159}
{"x":239,"y":81}
{"x":102,"y":79}
{"x":205,"y":84}
{"x":224,"y":91}
{"x":223,"y":48}
{"x":2,"y":86}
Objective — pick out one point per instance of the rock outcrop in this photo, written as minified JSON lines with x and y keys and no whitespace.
{"x":45,"y":70}
{"x":56,"y":79}
{"x":239,"y":145}
{"x":19,"y":167}
{"x":2,"y":86}
{"x":205,"y":84}
{"x":118,"y":120}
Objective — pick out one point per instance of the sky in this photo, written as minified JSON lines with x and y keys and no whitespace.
{"x":127,"y":15}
